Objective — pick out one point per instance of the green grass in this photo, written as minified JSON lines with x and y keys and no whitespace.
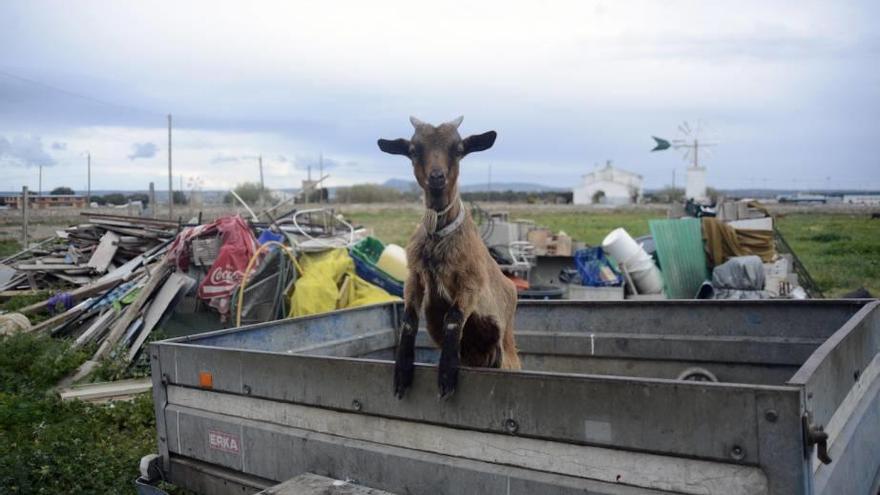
{"x":391,"y":225}
{"x":8,"y":247}
{"x":50,"y":446}
{"x":841,"y":252}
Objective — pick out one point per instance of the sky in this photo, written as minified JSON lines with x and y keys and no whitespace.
{"x":789,"y":91}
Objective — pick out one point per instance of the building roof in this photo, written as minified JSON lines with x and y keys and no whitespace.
{"x":608,"y":172}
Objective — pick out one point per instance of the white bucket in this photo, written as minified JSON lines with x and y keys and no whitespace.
{"x":639,"y":264}
{"x":621,"y":246}
{"x":647,"y":281}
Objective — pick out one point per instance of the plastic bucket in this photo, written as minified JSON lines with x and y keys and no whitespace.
{"x":639,"y":264}
{"x":647,"y":281}
{"x":621,"y":246}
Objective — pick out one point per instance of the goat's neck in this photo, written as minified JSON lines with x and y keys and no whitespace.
{"x":439,"y":216}
{"x":450,"y":216}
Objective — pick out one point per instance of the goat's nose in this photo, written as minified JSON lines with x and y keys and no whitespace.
{"x":437,"y":178}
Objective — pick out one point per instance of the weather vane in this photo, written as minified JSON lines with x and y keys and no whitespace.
{"x":693,"y":142}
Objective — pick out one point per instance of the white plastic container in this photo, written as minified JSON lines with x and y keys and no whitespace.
{"x":621,"y":246}
{"x":647,"y":281}
{"x":393,"y":262}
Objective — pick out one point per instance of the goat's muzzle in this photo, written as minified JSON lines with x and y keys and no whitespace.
{"x":437,"y":180}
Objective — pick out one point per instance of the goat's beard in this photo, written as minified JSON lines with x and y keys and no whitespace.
{"x":437,"y":199}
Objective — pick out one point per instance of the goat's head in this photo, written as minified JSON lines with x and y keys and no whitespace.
{"x":435,"y":153}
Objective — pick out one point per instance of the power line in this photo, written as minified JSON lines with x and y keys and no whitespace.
{"x":75,"y":94}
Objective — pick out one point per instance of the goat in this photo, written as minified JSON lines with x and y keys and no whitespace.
{"x":468,"y":303}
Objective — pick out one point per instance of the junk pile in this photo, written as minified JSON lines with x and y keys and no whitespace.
{"x":113,"y":280}
{"x":711,"y":252}
{"x":738,"y":254}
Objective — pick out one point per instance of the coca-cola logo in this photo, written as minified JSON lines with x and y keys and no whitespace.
{"x":225,"y":275}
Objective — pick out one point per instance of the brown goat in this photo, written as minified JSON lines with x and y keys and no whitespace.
{"x":468,"y":303}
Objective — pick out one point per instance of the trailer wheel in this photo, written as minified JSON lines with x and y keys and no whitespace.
{"x":697,"y":374}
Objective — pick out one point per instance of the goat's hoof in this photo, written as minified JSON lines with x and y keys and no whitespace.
{"x":403,"y":378}
{"x":448,"y":383}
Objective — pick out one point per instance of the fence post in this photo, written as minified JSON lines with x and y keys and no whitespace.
{"x":24,"y":214}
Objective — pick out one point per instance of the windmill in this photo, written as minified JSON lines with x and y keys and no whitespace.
{"x":696,"y":144}
{"x":195,"y":185}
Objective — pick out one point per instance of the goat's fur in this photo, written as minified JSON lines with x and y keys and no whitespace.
{"x":467,"y":301}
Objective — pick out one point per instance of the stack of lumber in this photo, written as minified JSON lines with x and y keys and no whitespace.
{"x":82,"y":254}
{"x":110,"y":282}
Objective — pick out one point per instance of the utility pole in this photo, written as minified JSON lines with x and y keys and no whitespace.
{"x":170,"y":176}
{"x":152,"y":200}
{"x":262,"y":184}
{"x":490,"y":182}
{"x":40,"y":183}
{"x":88,"y":179}
{"x":24,"y":215}
{"x":309,"y":189}
{"x":673,"y":179}
{"x":320,"y":175}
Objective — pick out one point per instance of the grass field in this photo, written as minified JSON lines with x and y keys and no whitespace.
{"x":841,"y":251}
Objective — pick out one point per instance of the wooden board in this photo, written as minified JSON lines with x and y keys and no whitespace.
{"x":102,"y":256}
{"x":106,"y":391}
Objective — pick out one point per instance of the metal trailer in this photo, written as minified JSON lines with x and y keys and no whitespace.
{"x":601,"y":406}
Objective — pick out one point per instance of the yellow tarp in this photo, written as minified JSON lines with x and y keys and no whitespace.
{"x":329,"y":282}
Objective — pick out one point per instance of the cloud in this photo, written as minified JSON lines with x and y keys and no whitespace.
{"x":303,"y":162}
{"x":59,"y":146}
{"x":143,"y":150}
{"x":25,"y":150}
{"x":221,"y":158}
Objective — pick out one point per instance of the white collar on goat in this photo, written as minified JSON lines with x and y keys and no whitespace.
{"x":431,"y":217}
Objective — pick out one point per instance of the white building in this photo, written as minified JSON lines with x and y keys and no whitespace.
{"x":862,"y":199}
{"x":609,"y":186}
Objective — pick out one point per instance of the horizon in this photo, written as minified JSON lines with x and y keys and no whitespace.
{"x":787,"y":89}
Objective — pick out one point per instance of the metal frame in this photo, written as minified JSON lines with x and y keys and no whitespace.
{"x":268,"y":380}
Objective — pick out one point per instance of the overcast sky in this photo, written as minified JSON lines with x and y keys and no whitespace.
{"x":791,"y":90}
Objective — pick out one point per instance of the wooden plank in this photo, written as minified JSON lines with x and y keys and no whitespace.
{"x":53,"y":267}
{"x":73,"y":279}
{"x":676,"y":474}
{"x":59,"y":319}
{"x":107,"y":391}
{"x":102,"y":256}
{"x":101,"y":285}
{"x":96,"y":328}
{"x":173,"y":284}
{"x":157,"y":276}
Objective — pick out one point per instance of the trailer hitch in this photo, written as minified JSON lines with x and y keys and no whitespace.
{"x":815,"y":435}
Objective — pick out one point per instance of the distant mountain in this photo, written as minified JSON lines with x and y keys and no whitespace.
{"x":403,"y":185}
{"x":512,"y":186}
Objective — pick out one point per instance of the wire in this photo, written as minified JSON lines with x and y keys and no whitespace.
{"x":75,"y":95}
{"x":319,"y":241}
{"x":247,"y":272}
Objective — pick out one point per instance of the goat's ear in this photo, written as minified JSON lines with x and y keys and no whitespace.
{"x":395,"y":147}
{"x":479,"y":142}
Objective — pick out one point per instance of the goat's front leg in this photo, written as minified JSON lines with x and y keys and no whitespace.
{"x":450,"y":353}
{"x":414,"y":292}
